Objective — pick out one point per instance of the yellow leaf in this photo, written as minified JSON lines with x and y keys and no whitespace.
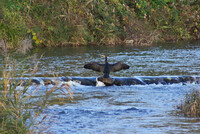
{"x":37,"y":41}
{"x":99,"y":29}
{"x":29,"y":31}
{"x":139,"y":6}
{"x":34,"y":37}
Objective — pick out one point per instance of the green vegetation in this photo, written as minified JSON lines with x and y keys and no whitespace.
{"x":78,"y":22}
{"x":19,"y":104}
{"x":191,"y":104}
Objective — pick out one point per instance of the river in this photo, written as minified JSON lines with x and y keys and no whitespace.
{"x":122,"y":109}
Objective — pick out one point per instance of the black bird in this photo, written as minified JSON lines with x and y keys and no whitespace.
{"x":106,"y":68}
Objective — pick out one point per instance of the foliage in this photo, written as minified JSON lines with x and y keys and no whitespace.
{"x":18,"y":107}
{"x":191,"y":104}
{"x":63,"y":22}
{"x":12,"y":28}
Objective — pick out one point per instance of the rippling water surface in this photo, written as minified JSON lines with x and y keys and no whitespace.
{"x":123,"y":109}
{"x":162,"y":59}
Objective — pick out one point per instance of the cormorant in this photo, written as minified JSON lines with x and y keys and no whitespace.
{"x":106,"y":68}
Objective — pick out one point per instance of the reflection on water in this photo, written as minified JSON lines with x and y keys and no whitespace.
{"x":167,"y":59}
{"x":122,"y":109}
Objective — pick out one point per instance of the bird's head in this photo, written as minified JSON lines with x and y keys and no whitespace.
{"x":104,"y":57}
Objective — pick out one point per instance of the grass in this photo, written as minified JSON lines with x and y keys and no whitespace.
{"x":191,"y":105}
{"x":19,"y":108}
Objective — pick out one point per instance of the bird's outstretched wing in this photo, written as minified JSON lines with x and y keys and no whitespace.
{"x":95,"y":66}
{"x":118,"y":66}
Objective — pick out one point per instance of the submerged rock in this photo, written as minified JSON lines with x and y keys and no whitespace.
{"x":118,"y":81}
{"x":139,"y":80}
{"x":107,"y":81}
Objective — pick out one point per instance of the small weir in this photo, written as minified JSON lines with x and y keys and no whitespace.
{"x":119,"y":81}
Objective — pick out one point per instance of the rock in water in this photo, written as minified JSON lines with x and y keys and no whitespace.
{"x":107,"y":81}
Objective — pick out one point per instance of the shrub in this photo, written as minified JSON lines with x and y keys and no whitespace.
{"x":12,"y":28}
{"x":64,"y":22}
{"x":191,"y":105}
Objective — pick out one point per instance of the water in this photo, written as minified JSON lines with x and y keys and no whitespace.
{"x":167,"y":59}
{"x":126,"y":109}
{"x":122,"y":109}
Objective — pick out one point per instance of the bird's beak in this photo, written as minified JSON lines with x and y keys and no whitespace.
{"x":103,"y":56}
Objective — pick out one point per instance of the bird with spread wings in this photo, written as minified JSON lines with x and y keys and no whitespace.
{"x":106,"y":68}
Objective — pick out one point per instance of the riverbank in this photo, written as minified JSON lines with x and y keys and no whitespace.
{"x":64,"y":22}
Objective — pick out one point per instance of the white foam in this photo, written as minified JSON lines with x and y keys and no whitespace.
{"x":99,"y":83}
{"x":73,"y":83}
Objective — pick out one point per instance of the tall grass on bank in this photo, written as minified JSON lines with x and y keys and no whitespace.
{"x":191,"y":105}
{"x":18,"y":107}
{"x":64,"y":22}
